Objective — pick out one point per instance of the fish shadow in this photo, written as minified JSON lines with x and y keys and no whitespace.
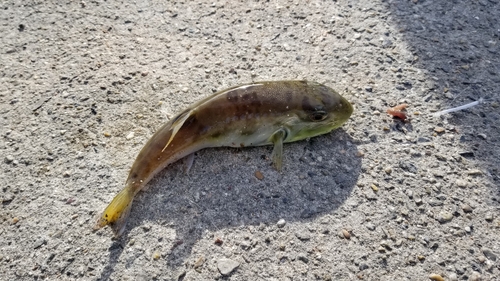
{"x":223,"y":190}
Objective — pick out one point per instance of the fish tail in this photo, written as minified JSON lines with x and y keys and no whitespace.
{"x":117,"y":212}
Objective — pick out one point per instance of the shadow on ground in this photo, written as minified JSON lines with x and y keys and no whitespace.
{"x":222,"y":192}
{"x":457,"y":44}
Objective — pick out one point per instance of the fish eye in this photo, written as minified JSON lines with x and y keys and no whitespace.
{"x":318,"y":116}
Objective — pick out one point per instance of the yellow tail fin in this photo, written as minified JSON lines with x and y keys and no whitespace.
{"x":117,"y":212}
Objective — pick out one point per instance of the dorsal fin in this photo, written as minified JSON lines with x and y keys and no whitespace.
{"x":177,"y":124}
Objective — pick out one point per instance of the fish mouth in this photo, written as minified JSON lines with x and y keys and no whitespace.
{"x":344,"y":112}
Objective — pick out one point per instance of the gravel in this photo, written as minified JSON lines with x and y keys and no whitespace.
{"x":84,"y":84}
{"x":226,"y":266}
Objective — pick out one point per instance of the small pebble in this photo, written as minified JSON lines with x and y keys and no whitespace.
{"x":9,"y":159}
{"x":303,"y":257}
{"x":130,"y":135}
{"x":453,"y":276}
{"x":475,"y":276}
{"x":466,"y":208}
{"x":226,"y":266}
{"x":441,"y":197}
{"x":38,"y":243}
{"x":346,"y":234}
{"x":363,"y":266}
{"x":303,"y":235}
{"x":409,"y":193}
{"x":474,"y":172}
{"x":461,"y":183}
{"x":436,"y":277}
{"x":281,"y":223}
{"x":144,"y":73}
{"x":106,"y":134}
{"x":199,"y":262}
{"x":489,"y":254}
{"x":156,"y":255}
{"x":259,"y":175}
{"x":386,"y":245}
{"x":185,"y":89}
{"x":489,"y":217}
{"x":7,"y":198}
{"x":415,"y":153}
{"x":444,"y":217}
{"x":388,"y":170}
{"x":374,"y":187}
{"x":439,"y":130}
{"x":434,"y":202}
{"x":418,"y":200}
{"x":15,"y":220}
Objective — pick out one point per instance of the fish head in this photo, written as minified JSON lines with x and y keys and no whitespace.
{"x":320,"y":110}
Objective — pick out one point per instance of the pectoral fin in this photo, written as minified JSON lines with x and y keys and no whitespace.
{"x":177,"y":125}
{"x":277,"y":156}
{"x":188,"y":163}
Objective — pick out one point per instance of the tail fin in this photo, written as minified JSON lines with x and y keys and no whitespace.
{"x":117,"y":212}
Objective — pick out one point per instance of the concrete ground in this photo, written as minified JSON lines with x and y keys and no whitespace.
{"x":84,"y":84}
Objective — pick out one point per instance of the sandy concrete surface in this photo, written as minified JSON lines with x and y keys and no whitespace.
{"x":84,"y":84}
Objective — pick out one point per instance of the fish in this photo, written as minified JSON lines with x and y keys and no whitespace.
{"x":255,"y":114}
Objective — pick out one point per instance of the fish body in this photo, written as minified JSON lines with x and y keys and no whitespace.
{"x":256,"y":114}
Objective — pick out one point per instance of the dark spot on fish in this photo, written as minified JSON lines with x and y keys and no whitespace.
{"x":306,"y":105}
{"x":190,"y":120}
{"x":242,"y":145}
{"x":205,"y":129}
{"x":252,"y":97}
{"x":216,"y":135}
{"x":232,"y":96}
{"x":326,"y":99}
{"x":288,"y":97}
